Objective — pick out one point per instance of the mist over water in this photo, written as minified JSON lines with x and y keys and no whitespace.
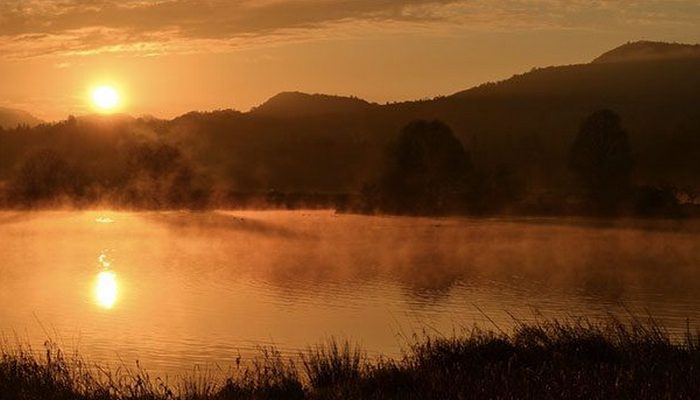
{"x":178,"y":289}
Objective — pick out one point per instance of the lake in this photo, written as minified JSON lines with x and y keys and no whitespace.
{"x":176,"y":290}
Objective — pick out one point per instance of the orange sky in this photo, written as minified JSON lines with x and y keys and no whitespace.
{"x":168,"y":57}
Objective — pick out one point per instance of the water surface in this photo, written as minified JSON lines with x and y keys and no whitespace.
{"x":174,"y":290}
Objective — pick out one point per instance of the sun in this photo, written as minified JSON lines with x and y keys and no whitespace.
{"x":105,"y":98}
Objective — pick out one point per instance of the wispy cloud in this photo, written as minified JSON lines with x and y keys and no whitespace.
{"x":30,"y":28}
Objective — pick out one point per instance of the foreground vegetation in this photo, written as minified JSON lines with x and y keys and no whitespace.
{"x":537,"y":361}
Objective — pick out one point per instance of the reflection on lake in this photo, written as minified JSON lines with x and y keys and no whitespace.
{"x":178,"y":289}
{"x":106,"y":289}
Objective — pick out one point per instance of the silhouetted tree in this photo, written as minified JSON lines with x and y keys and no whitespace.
{"x":45,"y":175}
{"x":601,"y":159}
{"x":158,"y":175}
{"x":426,"y":172}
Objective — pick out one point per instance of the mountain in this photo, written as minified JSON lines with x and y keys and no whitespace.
{"x":656,"y":98}
{"x":297,"y":104}
{"x":647,"y":51}
{"x":523,"y":125}
{"x":626,"y":72}
{"x":10,"y":118}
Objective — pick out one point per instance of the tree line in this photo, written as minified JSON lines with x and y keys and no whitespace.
{"x":143,"y":175}
{"x":425,"y":170}
{"x":428,"y":171}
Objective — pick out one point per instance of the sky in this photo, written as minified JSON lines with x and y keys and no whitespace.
{"x":168,"y":57}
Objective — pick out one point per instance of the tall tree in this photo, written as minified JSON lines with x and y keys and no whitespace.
{"x":601,"y":159}
{"x":426,"y":171}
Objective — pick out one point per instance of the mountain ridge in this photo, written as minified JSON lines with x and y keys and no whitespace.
{"x":305,"y":104}
{"x":11,"y":118}
{"x":645,"y":50}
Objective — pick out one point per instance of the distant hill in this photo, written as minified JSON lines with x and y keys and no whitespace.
{"x":296,"y":104}
{"x":297,"y":142}
{"x":648,"y":51}
{"x":656,"y":98}
{"x":640,"y":75}
{"x":10,"y":118}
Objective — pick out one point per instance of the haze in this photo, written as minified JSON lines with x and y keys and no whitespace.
{"x":170,"y":57}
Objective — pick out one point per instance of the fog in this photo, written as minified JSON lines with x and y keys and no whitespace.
{"x":436,"y":253}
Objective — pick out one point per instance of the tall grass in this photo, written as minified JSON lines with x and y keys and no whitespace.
{"x":576,"y":359}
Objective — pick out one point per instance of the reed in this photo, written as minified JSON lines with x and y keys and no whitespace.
{"x":576,"y":359}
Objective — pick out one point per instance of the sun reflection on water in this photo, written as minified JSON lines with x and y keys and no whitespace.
{"x":104,"y":261}
{"x":106,"y":286}
{"x":106,"y":289}
{"x":104,"y":220}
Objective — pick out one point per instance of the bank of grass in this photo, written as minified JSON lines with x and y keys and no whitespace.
{"x":546,"y":360}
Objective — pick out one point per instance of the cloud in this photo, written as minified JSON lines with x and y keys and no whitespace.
{"x":30,"y":28}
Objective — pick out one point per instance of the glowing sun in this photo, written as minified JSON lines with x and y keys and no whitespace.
{"x":105,"y":98}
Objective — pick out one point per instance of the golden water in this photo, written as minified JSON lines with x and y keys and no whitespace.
{"x":174,"y":290}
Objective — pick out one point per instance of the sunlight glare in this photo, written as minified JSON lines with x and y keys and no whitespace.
{"x":105,"y":98}
{"x":106,"y":289}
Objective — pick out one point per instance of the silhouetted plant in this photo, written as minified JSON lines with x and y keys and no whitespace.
{"x":333,"y":364}
{"x":576,"y":359}
{"x":426,"y":172}
{"x":158,"y":175}
{"x":43,"y":176}
{"x":269,"y":377}
{"x":601,"y":159}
